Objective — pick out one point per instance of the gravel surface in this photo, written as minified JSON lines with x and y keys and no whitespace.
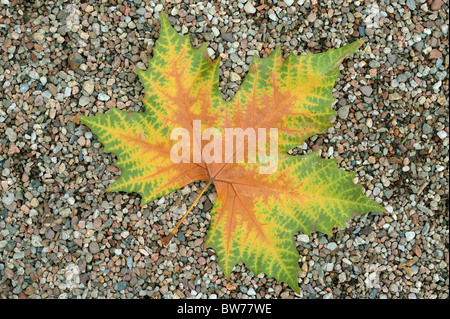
{"x":63,"y":236}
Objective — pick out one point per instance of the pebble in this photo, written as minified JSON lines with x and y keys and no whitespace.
{"x":330,"y":267}
{"x":347,"y":261}
{"x":216,"y":33}
{"x":366,"y":90}
{"x":411,"y":4}
{"x":8,"y":199}
{"x":442,"y":134}
{"x":121,"y":285}
{"x":88,"y":86}
{"x":11,"y":134}
{"x":57,"y":148}
{"x":303,"y":238}
{"x":181,"y":237}
{"x":427,"y":129}
{"x":75,"y":60}
{"x":251,"y":292}
{"x":425,"y":229}
{"x":234,"y":77}
{"x":249,"y":8}
{"x":24,"y":88}
{"x":410,"y":235}
{"x":84,"y":100}
{"x":331,"y":246}
{"x":94,"y":247}
{"x":228,"y":37}
{"x":343,"y":112}
{"x":34,"y":202}
{"x":34,"y":75}
{"x":103,"y":97}
{"x":19,"y":255}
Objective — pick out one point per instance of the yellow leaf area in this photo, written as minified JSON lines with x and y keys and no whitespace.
{"x":256,"y":215}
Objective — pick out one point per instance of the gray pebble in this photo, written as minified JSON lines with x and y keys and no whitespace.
{"x":366,"y":90}
{"x":426,"y":129}
{"x":228,"y":37}
{"x":94,"y":247}
{"x":84,"y":100}
{"x":343,"y":112}
{"x":8,"y":199}
{"x":332,"y":246}
{"x":411,"y":4}
{"x":121,"y":285}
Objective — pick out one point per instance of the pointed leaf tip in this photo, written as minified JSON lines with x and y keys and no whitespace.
{"x":339,"y":55}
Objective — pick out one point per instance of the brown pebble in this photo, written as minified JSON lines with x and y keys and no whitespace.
{"x":417,"y":251}
{"x":75,"y":60}
{"x":97,"y":223}
{"x":22,"y":296}
{"x":231,"y":287}
{"x":29,"y":290}
{"x":435,"y":54}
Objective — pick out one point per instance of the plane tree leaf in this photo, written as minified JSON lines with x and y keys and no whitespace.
{"x":256,"y":215}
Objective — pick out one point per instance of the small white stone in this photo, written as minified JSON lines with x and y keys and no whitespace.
{"x":103,"y":97}
{"x":442,"y":134}
{"x":34,"y":75}
{"x":211,"y":52}
{"x":65,"y":212}
{"x":234,"y":77}
{"x":347,"y":261}
{"x":215,"y":31}
{"x":273,"y":17}
{"x":88,"y":86}
{"x":36,"y":241}
{"x":303,"y":238}
{"x":332,"y":246}
{"x":410,"y":235}
{"x":249,"y":8}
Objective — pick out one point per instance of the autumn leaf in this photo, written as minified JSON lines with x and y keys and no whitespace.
{"x":256,"y":215}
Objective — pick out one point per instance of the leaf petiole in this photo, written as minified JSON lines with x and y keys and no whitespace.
{"x":166,"y":240}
